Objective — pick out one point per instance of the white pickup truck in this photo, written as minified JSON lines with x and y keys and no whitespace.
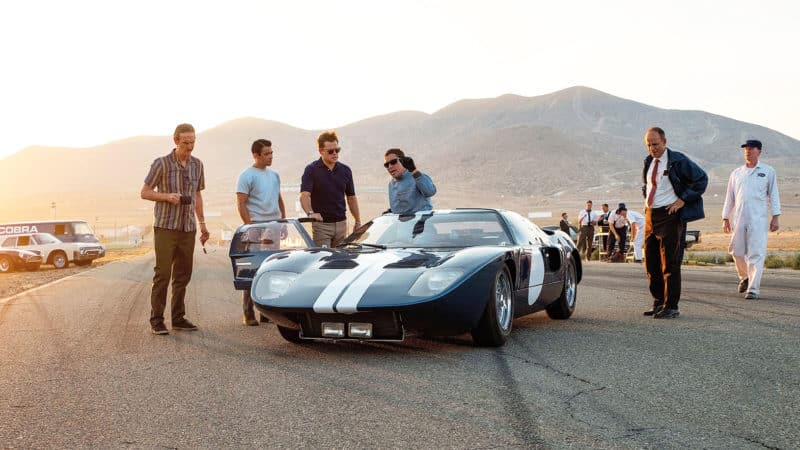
{"x":54,"y":251}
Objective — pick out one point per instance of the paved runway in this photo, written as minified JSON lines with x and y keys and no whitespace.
{"x":79,"y":368}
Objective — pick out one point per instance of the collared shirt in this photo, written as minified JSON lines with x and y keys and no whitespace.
{"x":328,"y":188}
{"x":617,"y":220}
{"x":408,"y":195}
{"x":584,"y":218}
{"x":665,"y":194}
{"x":262,"y":187}
{"x":167,"y":175}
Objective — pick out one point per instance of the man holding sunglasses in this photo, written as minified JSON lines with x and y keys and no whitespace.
{"x":325,"y":185}
{"x":409,"y":190}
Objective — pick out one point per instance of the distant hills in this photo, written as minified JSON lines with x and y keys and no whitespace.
{"x":564,"y":143}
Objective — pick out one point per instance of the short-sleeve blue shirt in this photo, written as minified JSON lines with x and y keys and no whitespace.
{"x":328,"y":189}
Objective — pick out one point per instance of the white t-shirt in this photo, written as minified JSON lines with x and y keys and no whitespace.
{"x":262,"y":188}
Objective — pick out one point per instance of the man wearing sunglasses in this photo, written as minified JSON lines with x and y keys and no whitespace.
{"x":324,"y":187}
{"x":409,"y":190}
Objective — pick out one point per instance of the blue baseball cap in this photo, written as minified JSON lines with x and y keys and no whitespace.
{"x":752,"y":143}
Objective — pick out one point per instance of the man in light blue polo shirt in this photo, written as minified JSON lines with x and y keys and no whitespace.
{"x":258,"y":199}
{"x":409,"y":190}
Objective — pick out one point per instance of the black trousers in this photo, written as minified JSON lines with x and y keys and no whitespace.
{"x":612,"y":240}
{"x":662,"y":256}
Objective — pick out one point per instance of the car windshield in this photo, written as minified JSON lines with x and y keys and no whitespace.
{"x":81,"y":228}
{"x":438,"y":229}
{"x":43,"y":238}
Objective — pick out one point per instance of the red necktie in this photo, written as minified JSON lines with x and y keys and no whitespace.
{"x":653,"y":186}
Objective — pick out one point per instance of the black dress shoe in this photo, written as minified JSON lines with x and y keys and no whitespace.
{"x":743,"y":286}
{"x":667,"y":314}
{"x":655,"y":310}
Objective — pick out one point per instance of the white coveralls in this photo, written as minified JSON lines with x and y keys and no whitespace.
{"x":752,"y":193}
{"x":637,"y":222}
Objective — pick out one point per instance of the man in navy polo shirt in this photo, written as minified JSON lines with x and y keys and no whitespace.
{"x":325,"y":185}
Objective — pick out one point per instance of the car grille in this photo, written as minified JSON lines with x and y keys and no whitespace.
{"x":385,"y":325}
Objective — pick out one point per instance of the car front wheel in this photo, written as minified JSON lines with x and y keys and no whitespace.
{"x":495,"y":325}
{"x":5,"y":264}
{"x":290,"y":334}
{"x":60,"y":260}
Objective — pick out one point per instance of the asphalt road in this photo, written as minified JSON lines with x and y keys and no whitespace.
{"x":79,"y":368}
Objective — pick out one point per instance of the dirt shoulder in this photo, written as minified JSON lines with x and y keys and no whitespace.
{"x":16,"y":282}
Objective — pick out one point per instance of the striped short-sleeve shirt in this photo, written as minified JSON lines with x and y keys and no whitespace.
{"x":169,"y":176}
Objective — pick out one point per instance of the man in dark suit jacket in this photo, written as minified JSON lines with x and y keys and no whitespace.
{"x":673,"y":189}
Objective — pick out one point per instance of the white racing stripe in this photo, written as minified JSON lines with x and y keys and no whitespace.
{"x":537,"y":275}
{"x":327,"y":299}
{"x":348,"y":303}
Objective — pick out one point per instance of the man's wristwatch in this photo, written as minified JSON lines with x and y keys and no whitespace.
{"x":309,"y":213}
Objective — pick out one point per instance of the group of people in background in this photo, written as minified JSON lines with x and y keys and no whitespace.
{"x":614,"y":227}
{"x":673,"y":186}
{"x":327,"y":191}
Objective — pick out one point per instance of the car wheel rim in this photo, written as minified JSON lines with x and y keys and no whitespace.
{"x":502,"y":295}
{"x":571,"y":287}
{"x":58,"y":261}
{"x":4,"y":265}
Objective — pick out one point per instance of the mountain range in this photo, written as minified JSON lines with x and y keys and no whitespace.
{"x":565,"y":143}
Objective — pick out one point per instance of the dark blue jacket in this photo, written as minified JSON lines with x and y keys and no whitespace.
{"x":688,"y":181}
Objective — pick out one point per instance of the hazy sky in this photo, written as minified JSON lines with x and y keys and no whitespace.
{"x":82,"y":73}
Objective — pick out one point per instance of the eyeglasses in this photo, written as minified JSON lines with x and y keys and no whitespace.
{"x":391,"y":162}
{"x":331,"y":151}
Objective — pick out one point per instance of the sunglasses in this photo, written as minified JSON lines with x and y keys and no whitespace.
{"x":336,"y":150}
{"x":390,"y":162}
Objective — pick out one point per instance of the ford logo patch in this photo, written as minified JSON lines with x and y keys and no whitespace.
{"x":762,"y":174}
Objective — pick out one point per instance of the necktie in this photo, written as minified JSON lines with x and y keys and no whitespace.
{"x":652,"y":185}
{"x":588,"y":216}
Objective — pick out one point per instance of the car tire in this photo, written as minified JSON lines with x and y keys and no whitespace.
{"x":59,"y":260}
{"x":290,"y":334}
{"x":564,"y":305}
{"x":5,"y":264}
{"x":496,"y":323}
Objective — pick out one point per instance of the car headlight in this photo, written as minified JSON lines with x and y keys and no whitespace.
{"x":271,"y":285}
{"x":435,"y":281}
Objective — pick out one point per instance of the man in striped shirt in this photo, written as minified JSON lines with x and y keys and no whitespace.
{"x":174,"y":183}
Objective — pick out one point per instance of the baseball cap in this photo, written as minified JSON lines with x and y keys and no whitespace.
{"x":752,"y":143}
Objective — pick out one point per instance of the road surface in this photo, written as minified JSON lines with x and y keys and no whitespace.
{"x":79,"y":368}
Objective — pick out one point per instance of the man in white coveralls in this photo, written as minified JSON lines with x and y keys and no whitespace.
{"x":637,"y":234}
{"x":752,"y":192}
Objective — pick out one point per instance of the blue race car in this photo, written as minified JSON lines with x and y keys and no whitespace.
{"x":435,"y":273}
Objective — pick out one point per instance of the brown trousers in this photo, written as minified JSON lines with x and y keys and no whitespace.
{"x":174,"y":260}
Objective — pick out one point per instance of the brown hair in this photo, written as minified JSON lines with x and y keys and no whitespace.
{"x":183,"y":128}
{"x":395,"y":151}
{"x":327,"y":136}
{"x":258,"y":144}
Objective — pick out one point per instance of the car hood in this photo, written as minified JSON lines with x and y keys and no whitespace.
{"x":347,"y":281}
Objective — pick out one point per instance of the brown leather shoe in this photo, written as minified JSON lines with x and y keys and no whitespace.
{"x":250,"y":322}
{"x":184,"y":325}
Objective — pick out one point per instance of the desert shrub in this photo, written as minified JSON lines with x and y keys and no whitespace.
{"x":796,"y":262}
{"x":774,"y":262}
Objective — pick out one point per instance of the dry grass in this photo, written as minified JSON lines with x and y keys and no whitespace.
{"x":16,"y":282}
